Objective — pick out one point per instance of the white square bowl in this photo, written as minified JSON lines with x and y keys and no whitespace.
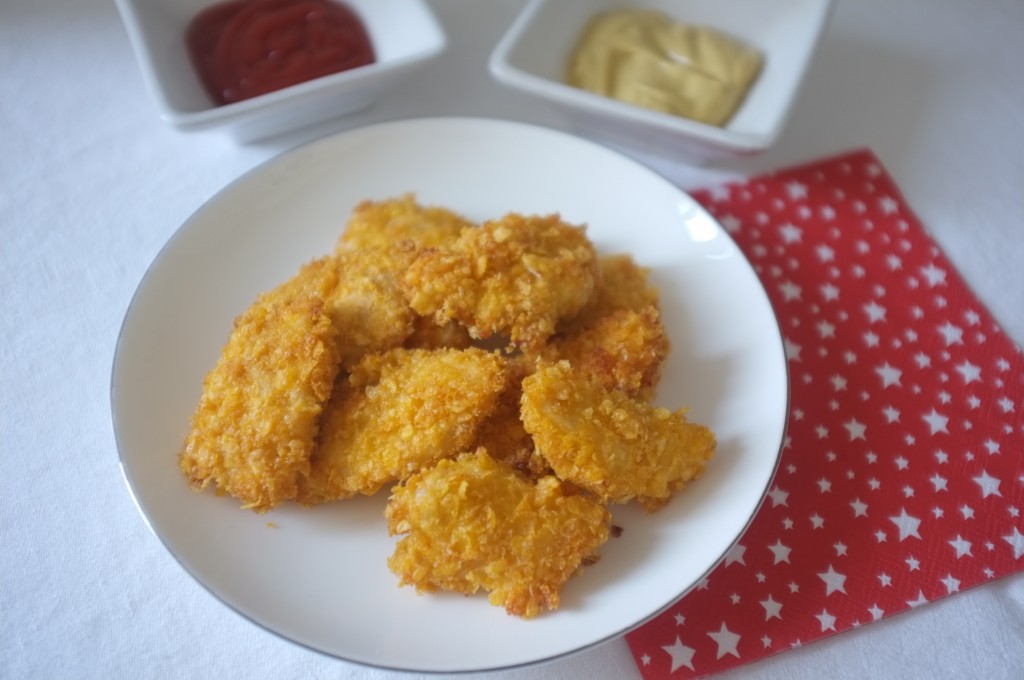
{"x":534,"y":53}
{"x":405,"y":35}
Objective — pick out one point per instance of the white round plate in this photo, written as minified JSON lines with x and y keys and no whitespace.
{"x":319,"y":576}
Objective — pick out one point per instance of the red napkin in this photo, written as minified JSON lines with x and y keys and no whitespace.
{"x":902,"y":477}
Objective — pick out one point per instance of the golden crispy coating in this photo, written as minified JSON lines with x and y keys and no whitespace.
{"x":360,"y":282}
{"x":623,"y":284}
{"x":499,"y":373}
{"x":428,"y":335}
{"x":626,"y":284}
{"x":361,"y":294}
{"x":398,"y":412}
{"x":367,"y":305}
{"x":503,"y":434}
{"x":475,"y":524}
{"x":378,"y":224}
{"x":624,"y":350}
{"x":516,"y":276}
{"x":317,"y":278}
{"x":609,"y":443}
{"x":257,"y":419}
{"x":619,"y":336}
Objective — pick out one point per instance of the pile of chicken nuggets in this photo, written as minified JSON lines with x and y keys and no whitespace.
{"x":496,"y":377}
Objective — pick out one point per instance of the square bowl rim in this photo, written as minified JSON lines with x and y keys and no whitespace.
{"x":331,"y":85}
{"x":503,"y":70}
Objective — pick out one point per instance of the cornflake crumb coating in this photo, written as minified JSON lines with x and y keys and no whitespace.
{"x":398,"y":412}
{"x":622,"y":284}
{"x":516,"y":276}
{"x":257,"y":419}
{"x":362,"y":297}
{"x":378,"y":224}
{"x":360,"y":282}
{"x":501,"y":374}
{"x":624,"y":350}
{"x":619,"y":335}
{"x":615,"y":446}
{"x":503,"y":434}
{"x":476,"y":524}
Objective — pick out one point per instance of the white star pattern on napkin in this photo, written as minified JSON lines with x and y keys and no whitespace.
{"x":681,"y":655}
{"x":726,"y":640}
{"x":901,"y":480}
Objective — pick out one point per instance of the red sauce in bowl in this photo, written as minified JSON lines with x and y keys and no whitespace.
{"x":245,"y":48}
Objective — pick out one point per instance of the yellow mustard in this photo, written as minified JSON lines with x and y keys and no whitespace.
{"x":645,"y":58}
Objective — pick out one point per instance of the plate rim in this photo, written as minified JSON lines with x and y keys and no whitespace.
{"x":283,"y":157}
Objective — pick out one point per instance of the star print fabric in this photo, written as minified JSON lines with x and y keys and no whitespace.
{"x":901,"y":479}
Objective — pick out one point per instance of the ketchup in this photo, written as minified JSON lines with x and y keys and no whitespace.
{"x":245,"y":48}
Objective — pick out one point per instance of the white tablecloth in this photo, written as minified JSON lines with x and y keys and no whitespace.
{"x":92,"y":183}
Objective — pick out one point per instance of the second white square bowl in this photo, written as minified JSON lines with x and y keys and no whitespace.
{"x":534,"y":53}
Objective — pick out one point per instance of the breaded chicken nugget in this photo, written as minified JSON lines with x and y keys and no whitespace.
{"x":503,"y":434}
{"x":256,"y":423}
{"x":428,"y":335}
{"x":609,"y":443}
{"x":368,"y":306}
{"x":398,"y":412}
{"x":378,"y":224}
{"x":317,"y":278}
{"x":623,"y":284}
{"x":624,"y":350}
{"x":360,"y":282}
{"x":516,"y":276}
{"x":362,"y":296}
{"x":476,"y":524}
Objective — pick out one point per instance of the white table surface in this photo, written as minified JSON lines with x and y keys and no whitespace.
{"x":92,"y":183}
